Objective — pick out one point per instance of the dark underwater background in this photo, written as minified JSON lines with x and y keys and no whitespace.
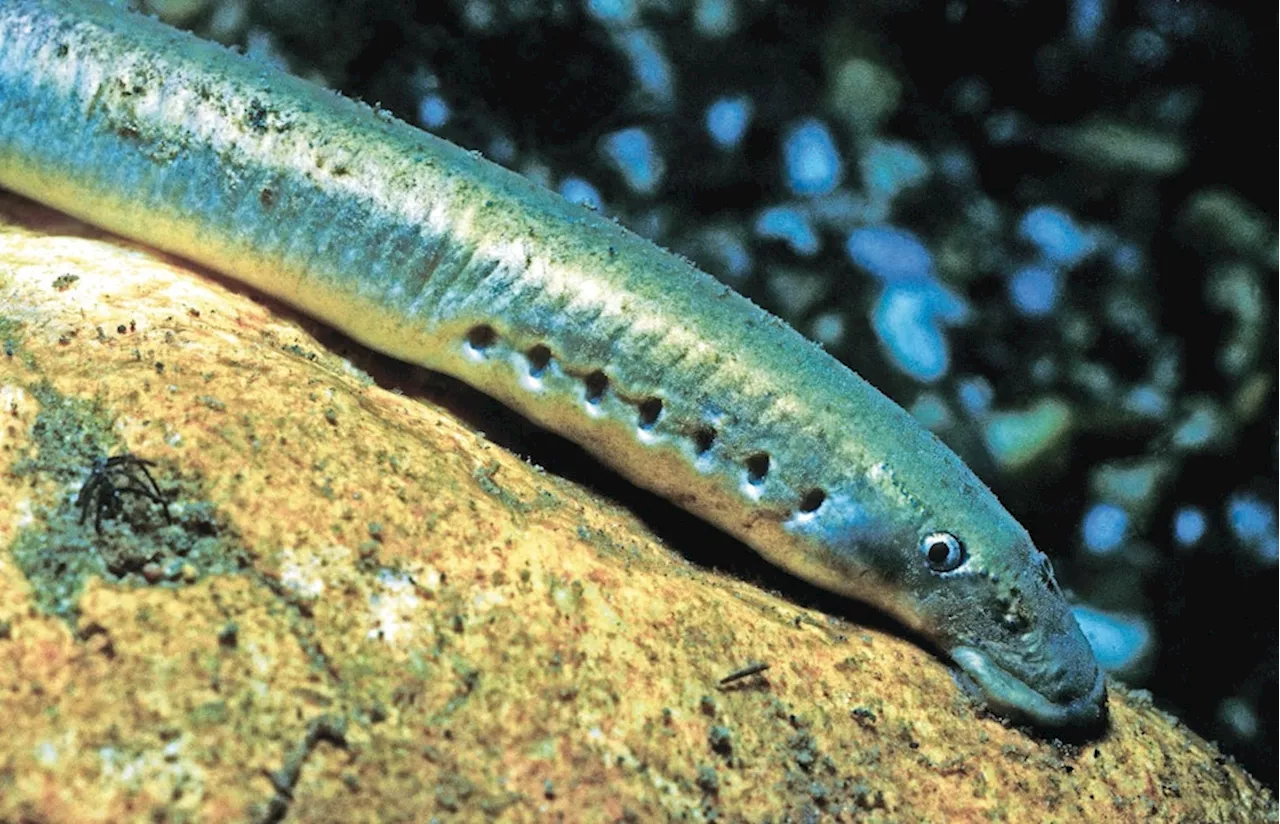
{"x":1047,"y":229}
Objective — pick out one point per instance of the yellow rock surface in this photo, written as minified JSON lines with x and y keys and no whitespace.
{"x":360,"y":609}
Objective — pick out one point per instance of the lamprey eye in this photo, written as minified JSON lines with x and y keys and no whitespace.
{"x":943,"y":551}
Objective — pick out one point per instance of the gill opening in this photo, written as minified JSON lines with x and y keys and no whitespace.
{"x":481,"y":342}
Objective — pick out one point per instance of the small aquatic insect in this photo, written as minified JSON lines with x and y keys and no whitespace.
{"x":745,"y":672}
{"x":109,"y":479}
{"x":433,"y":255}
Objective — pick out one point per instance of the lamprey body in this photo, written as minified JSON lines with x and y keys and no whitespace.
{"x":431,"y":254}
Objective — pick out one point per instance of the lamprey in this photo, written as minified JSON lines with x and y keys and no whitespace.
{"x":431,"y":254}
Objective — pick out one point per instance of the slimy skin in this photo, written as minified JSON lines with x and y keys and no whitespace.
{"x":433,"y":255}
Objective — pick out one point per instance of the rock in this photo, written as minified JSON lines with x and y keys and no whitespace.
{"x":1114,"y":146}
{"x":1056,"y":235}
{"x":889,"y":253}
{"x":811,"y":161}
{"x":727,"y":119}
{"x":1221,"y":221}
{"x":1017,"y":439}
{"x":1135,"y":485}
{"x":864,"y":94}
{"x":1124,"y":644}
{"x":414,"y":622}
{"x":791,"y":225}
{"x":633,"y":154}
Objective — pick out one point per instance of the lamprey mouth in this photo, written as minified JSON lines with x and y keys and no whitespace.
{"x":1011,"y":696}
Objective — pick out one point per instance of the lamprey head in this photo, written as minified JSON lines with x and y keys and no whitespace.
{"x":947,"y":560}
{"x":1009,"y":629}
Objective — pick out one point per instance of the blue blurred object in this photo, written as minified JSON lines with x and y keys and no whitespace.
{"x":728,"y":256}
{"x":1056,"y":235}
{"x":577,"y":190}
{"x":956,"y":165}
{"x":1269,"y":550}
{"x":828,"y":329}
{"x":1005,"y":128}
{"x":789,"y":224}
{"x":932,"y":412}
{"x":1120,"y":642}
{"x":1104,"y":528}
{"x":1249,"y":517}
{"x":615,"y":12}
{"x":1254,"y":523}
{"x":944,"y":304}
{"x":975,"y":395}
{"x":889,"y":166}
{"x":1127,"y":260}
{"x":810,"y":158}
{"x":907,"y":314}
{"x":889,"y":253}
{"x":433,"y":111}
{"x":715,"y":18}
{"x":1189,"y":525}
{"x":633,"y":153}
{"x":727,"y":120}
{"x":906,"y":324}
{"x":1148,"y":49}
{"x":1147,"y":401}
{"x":1200,"y":428}
{"x":649,"y":65}
{"x":1086,"y":19}
{"x":1238,"y":714}
{"x":1034,"y":290}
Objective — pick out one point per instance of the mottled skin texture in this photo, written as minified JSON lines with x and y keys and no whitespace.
{"x":424,"y":251}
